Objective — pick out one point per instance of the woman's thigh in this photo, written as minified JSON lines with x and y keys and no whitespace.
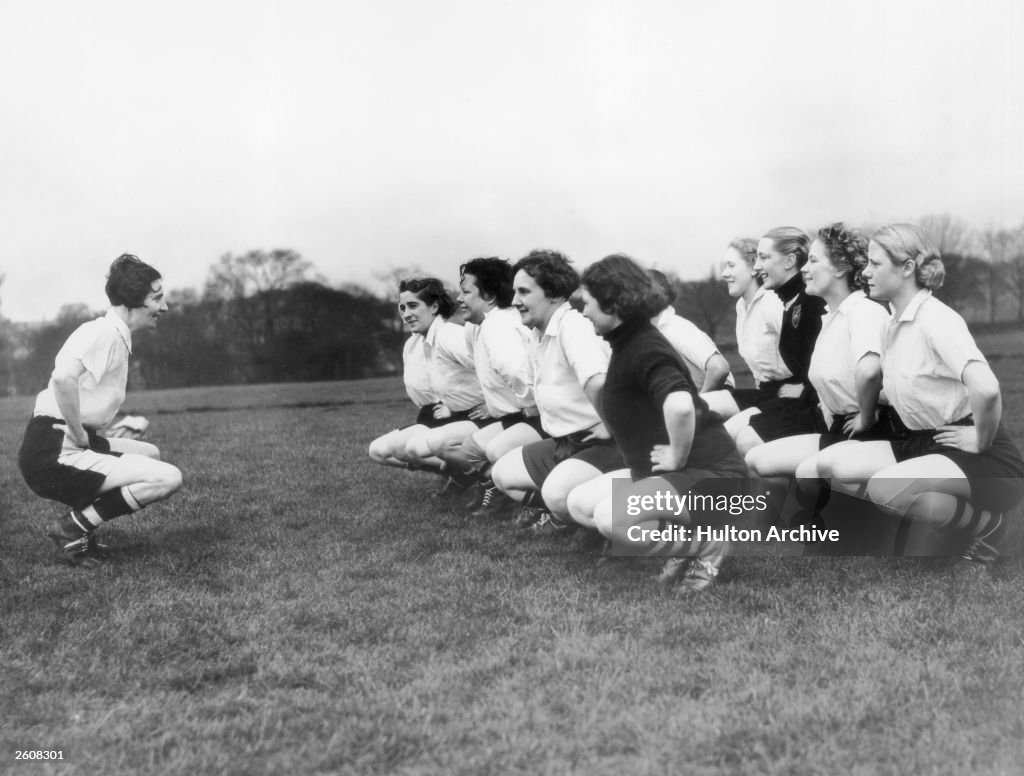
{"x":584,"y":498}
{"x":440,"y":439}
{"x":509,"y":439}
{"x":899,"y":485}
{"x":781,"y":457}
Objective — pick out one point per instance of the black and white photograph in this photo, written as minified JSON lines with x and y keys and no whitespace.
{"x":477,"y":387}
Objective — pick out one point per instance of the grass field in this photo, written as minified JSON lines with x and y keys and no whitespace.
{"x":296,"y":609}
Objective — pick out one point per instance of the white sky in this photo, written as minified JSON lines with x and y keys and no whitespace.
{"x":368,"y":134}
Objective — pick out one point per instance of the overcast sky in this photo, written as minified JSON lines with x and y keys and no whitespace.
{"x":388,"y":133}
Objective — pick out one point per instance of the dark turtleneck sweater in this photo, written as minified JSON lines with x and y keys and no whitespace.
{"x":644,"y":369}
{"x":801,"y":323}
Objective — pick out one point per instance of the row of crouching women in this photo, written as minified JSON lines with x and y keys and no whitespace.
{"x":865,"y":385}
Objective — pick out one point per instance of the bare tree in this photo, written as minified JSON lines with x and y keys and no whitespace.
{"x":1013,"y":269}
{"x":705,"y":302}
{"x":248,"y":289}
{"x":965,"y":286}
{"x":389,"y":279}
{"x":950,"y":234}
{"x":998,"y":246}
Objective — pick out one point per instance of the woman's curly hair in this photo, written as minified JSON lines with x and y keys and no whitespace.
{"x":847,"y":251}
{"x":551,"y":270}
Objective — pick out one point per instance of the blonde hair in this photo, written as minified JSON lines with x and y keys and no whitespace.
{"x":790,"y":239}
{"x":909,"y":242}
{"x":746,"y":247}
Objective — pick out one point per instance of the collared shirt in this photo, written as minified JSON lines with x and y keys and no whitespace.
{"x":693,"y":345}
{"x":499,"y":346}
{"x":923,"y":359}
{"x":854,"y":329}
{"x":566,"y":355}
{"x":450,"y":366}
{"x":101,"y":346}
{"x":415,"y":374}
{"x":757,"y":336}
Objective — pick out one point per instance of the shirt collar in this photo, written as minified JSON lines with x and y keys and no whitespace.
{"x":919,"y":299}
{"x":555,"y":323}
{"x":847,"y":304}
{"x":758,"y":295}
{"x":435,"y":326}
{"x":120,"y":327}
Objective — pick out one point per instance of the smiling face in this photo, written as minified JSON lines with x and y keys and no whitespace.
{"x":884,"y":278}
{"x":534,"y":306}
{"x":818,"y":272}
{"x":416,"y":313}
{"x":153,"y":306}
{"x":774,"y":267}
{"x":737,"y":274}
{"x":471,"y":301}
{"x":603,"y":322}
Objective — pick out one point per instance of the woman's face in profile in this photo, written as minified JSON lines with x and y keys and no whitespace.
{"x":737,"y":274}
{"x":774,"y":268}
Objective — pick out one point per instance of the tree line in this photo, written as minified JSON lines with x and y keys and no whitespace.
{"x":265,"y":316}
{"x":262,"y":317}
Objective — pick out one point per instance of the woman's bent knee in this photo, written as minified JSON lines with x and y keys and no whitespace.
{"x":171,"y":479}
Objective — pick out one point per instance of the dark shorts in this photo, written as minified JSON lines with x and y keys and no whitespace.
{"x":41,"y":447}
{"x":540,"y":458}
{"x":728,"y":477}
{"x":996,"y":476}
{"x":533,"y":421}
{"x":787,"y":417}
{"x":746,"y":398}
{"x":834,"y":434}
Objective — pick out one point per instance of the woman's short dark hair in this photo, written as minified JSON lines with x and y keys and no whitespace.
{"x":130,"y":281}
{"x":430,"y":291}
{"x":847,"y":251}
{"x":661,"y":280}
{"x":493,"y":278}
{"x":790,"y":239}
{"x":550,"y":270}
{"x":623,"y":288}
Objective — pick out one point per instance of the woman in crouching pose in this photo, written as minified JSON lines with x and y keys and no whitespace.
{"x":62,"y":457}
{"x":758,"y":325}
{"x":668,"y":438}
{"x":438,"y":370}
{"x":845,"y":368}
{"x":781,"y":254}
{"x":950,"y":463}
